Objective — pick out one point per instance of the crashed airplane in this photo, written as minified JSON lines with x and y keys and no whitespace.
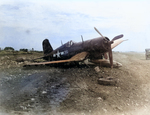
{"x":94,"y":49}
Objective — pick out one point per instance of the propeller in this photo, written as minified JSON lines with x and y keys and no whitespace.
{"x":117,"y":37}
{"x":109,"y":49}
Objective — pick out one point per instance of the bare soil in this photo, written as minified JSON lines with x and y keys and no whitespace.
{"x":75,"y":90}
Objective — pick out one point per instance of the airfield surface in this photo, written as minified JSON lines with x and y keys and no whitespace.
{"x":74,"y":90}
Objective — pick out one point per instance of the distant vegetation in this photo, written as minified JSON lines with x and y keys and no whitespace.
{"x":9,"y":49}
{"x":24,"y":50}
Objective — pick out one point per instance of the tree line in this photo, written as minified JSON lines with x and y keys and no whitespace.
{"x":12,"y":49}
{"x":23,"y":49}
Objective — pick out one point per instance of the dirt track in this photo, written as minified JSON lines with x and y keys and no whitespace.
{"x":70,"y":91}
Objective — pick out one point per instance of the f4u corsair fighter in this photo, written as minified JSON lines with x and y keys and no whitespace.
{"x":92,"y":49}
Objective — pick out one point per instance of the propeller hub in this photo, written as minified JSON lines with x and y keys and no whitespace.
{"x":111,"y":42}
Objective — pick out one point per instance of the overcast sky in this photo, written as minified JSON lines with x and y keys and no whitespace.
{"x":26,"y":23}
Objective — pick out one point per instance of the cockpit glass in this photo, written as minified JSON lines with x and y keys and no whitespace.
{"x":70,"y":43}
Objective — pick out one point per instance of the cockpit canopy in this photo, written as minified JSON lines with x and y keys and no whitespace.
{"x":70,"y":43}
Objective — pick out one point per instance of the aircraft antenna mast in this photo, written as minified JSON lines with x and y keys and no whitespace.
{"x":82,"y":38}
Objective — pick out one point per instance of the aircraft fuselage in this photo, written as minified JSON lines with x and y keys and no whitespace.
{"x":96,"y":48}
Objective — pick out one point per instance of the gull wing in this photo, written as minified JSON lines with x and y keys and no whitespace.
{"x":117,"y":42}
{"x":78,"y":57}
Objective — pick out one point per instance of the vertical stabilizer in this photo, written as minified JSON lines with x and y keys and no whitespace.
{"x":47,"y":48}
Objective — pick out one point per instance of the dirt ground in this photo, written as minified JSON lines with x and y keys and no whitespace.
{"x":75,"y":90}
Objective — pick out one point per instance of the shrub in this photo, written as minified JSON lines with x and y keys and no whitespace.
{"x":9,"y":49}
{"x":24,"y":50}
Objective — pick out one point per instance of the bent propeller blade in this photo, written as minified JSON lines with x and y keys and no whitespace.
{"x":117,"y":37}
{"x":99,"y":32}
{"x":110,"y":58}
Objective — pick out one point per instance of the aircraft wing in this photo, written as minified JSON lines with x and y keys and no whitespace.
{"x":116,"y":43}
{"x":78,"y":57}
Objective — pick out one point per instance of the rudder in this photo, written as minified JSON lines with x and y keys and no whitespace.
{"x":47,"y":48}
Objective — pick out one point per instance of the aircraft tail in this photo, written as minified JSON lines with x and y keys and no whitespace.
{"x":47,"y":48}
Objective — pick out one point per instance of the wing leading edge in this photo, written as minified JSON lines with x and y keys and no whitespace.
{"x":78,"y":57}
